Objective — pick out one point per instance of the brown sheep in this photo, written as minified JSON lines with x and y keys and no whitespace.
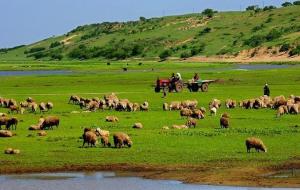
{"x":144,"y":106}
{"x":191,"y":122}
{"x":38,"y":126}
{"x":102,"y":133}
{"x":89,"y":137}
{"x":112,"y":119}
{"x":230,"y":104}
{"x":186,"y":112}
{"x":6,"y":133}
{"x":137,"y":126}
{"x":121,"y":139}
{"x":33,"y":107}
{"x":279,"y":101}
{"x":105,"y":141}
{"x":197,"y":114}
{"x":280,"y":111}
{"x":215,"y":103}
{"x":294,"y":109}
{"x":49,"y":122}
{"x":224,"y":122}
{"x":192,"y":104}
{"x":93,"y":106}
{"x":256,"y":143}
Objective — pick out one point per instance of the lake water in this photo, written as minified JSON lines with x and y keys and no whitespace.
{"x":100,"y":181}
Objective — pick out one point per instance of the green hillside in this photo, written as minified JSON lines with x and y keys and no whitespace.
{"x":226,"y":33}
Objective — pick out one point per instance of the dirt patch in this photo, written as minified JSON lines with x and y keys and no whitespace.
{"x":67,"y":40}
{"x":219,"y":173}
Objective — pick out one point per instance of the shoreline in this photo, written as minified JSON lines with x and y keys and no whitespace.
{"x":206,"y":174}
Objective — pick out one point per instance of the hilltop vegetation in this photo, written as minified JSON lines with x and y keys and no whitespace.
{"x":208,"y":33}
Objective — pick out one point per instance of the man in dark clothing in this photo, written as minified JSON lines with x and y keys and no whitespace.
{"x":266,"y":90}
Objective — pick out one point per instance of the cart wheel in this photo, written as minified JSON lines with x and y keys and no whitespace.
{"x":195,"y":87}
{"x":157,"y":89}
{"x":204,"y":87}
{"x":178,"y":87}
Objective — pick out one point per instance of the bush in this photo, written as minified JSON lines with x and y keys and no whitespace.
{"x":273,"y":34}
{"x":269,"y":20}
{"x":295,"y":51}
{"x":286,"y":4}
{"x":197,"y":49}
{"x":267,"y":8}
{"x":34,"y":50}
{"x":54,"y":44}
{"x":255,"y":40}
{"x":284,"y":48}
{"x":185,"y":55}
{"x":208,"y":12}
{"x":257,"y":28}
{"x":296,"y":3}
{"x":164,"y":54}
{"x":57,"y":56}
{"x":205,"y":31}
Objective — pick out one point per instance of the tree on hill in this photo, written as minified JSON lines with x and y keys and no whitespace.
{"x":252,"y":8}
{"x":286,"y":4}
{"x":208,"y":12}
{"x":143,"y":19}
{"x":164,"y":55}
{"x":296,"y":3}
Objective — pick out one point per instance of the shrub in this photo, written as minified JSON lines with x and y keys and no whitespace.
{"x":142,"y":19}
{"x":197,"y":49}
{"x":54,"y":44}
{"x":34,"y":50}
{"x":286,"y":4}
{"x":57,"y":56}
{"x":296,"y":3}
{"x":284,"y":48}
{"x":205,"y":31}
{"x":269,"y":20}
{"x":185,"y":55}
{"x":255,"y":40}
{"x":164,"y":54}
{"x":252,"y":8}
{"x":208,"y":12}
{"x":273,"y":34}
{"x":267,"y":8}
{"x":295,"y":51}
{"x":257,"y":28}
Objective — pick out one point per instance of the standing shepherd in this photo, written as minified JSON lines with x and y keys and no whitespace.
{"x":266,"y":90}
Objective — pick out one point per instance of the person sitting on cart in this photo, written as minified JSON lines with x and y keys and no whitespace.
{"x":196,"y":77}
{"x":178,"y":77}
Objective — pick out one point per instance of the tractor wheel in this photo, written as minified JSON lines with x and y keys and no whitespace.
{"x":204,"y":87}
{"x":178,"y":87}
{"x":195,"y":87}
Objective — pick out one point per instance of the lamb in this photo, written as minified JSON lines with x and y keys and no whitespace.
{"x":105,"y":142}
{"x":256,"y":143}
{"x":49,"y":122}
{"x":186,"y":112}
{"x":144,"y":106}
{"x":191,"y":122}
{"x":280,"y":111}
{"x":224,"y":122}
{"x":122,"y":139}
{"x":137,"y":126}
{"x":6,"y":133}
{"x":112,"y":119}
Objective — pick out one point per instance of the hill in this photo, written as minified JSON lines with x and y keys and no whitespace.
{"x":253,"y":33}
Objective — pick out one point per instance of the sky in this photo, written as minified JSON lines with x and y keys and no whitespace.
{"x":28,"y":21}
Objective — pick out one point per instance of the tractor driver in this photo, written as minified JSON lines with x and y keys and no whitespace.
{"x":196,"y":77}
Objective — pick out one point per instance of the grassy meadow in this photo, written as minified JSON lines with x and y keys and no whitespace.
{"x":207,"y":143}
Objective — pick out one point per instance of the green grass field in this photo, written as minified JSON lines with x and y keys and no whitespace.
{"x":151,"y":145}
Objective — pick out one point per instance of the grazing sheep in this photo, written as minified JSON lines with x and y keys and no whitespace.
{"x":74,"y":99}
{"x":197,"y":114}
{"x":3,"y":121}
{"x":49,"y":105}
{"x":102,"y":133}
{"x":105,"y":141}
{"x":6,"y":133}
{"x":175,"y":105}
{"x":130,"y":107}
{"x":191,"y":122}
{"x":191,"y":104}
{"x":224,"y":122}
{"x":122,"y":139}
{"x":186,"y":112}
{"x":3,"y":114}
{"x":92,"y":106}
{"x":165,"y":107}
{"x":294,"y":109}
{"x":279,"y":101}
{"x":38,"y":126}
{"x":179,"y":127}
{"x":12,"y":122}
{"x":33,"y":106}
{"x":8,"y":151}
{"x":136,"y":107}
{"x":256,"y":143}
{"x":144,"y":106}
{"x":89,"y":137}
{"x":203,"y":110}
{"x":215,"y":103}
{"x":137,"y":126}
{"x":230,"y":104}
{"x":14,"y":108}
{"x":213,"y":111}
{"x":29,"y":100}
{"x":112,"y":119}
{"x":49,"y":122}
{"x":280,"y":111}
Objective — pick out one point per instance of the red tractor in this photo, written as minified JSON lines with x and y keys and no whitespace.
{"x":171,"y":86}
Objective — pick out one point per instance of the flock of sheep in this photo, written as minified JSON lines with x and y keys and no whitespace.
{"x":187,"y":108}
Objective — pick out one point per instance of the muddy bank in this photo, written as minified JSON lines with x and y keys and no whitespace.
{"x":212,"y":174}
